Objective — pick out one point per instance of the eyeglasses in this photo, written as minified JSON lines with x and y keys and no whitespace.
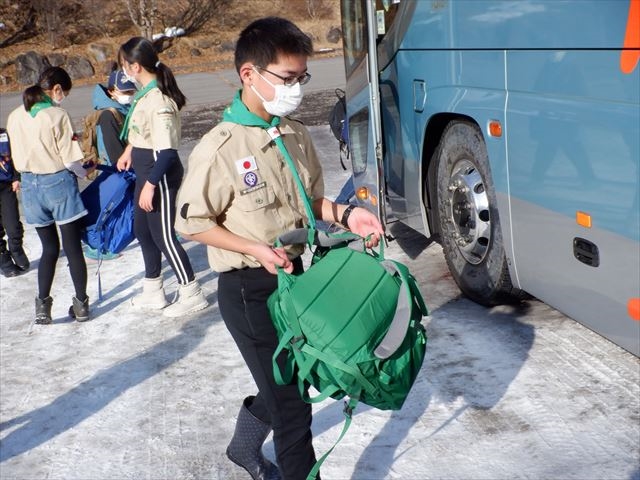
{"x":289,"y":81}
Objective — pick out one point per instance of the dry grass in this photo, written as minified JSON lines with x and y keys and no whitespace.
{"x":213,"y":41}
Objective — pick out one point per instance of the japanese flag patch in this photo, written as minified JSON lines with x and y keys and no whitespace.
{"x":247,"y":164}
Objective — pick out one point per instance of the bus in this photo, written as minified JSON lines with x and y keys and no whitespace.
{"x":508,"y":131}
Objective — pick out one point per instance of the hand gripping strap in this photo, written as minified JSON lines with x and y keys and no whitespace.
{"x":402,"y":317}
{"x":314,"y":237}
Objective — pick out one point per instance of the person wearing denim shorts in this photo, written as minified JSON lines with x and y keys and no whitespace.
{"x":48,"y":155}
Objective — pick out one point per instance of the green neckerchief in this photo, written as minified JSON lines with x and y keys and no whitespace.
{"x":46,"y":103}
{"x":238,"y":113}
{"x":124,"y":133}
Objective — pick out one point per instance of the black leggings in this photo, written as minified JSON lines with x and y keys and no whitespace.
{"x":72,"y":245}
{"x":156,"y":235}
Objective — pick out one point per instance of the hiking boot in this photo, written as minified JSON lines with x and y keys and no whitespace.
{"x":20,"y":259}
{"x":245,"y":448}
{"x":43,"y":310}
{"x":152,"y":296}
{"x":79,"y":310}
{"x":190,"y":300}
{"x":7,"y":267}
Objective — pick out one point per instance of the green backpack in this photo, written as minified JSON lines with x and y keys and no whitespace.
{"x":350,"y":324}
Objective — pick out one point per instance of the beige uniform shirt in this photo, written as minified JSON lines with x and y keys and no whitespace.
{"x":155,"y":122}
{"x":45,"y":143}
{"x":238,"y":178}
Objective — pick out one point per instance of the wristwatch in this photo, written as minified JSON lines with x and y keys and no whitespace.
{"x":345,"y":216}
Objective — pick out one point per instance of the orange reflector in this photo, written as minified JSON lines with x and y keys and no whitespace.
{"x":374,"y":200}
{"x":633,"y":307}
{"x":362,"y":193}
{"x":495,"y":128}
{"x":583,"y":219}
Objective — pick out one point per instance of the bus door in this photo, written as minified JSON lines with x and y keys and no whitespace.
{"x":363,"y":104}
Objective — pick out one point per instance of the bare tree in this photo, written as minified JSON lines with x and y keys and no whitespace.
{"x":49,"y":19}
{"x":318,"y":8}
{"x":143,"y":14}
{"x":25,"y":29}
{"x":199,"y":12}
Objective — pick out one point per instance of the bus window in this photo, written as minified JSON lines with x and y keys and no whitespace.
{"x":359,"y":139}
{"x":354,"y":17}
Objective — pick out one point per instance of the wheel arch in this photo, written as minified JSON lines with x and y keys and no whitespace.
{"x":431,"y":138}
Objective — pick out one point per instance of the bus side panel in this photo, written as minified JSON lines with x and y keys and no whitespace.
{"x":573,"y":121}
{"x":500,"y":24}
{"x":596,"y":296}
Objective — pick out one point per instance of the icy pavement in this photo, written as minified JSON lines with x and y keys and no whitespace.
{"x":504,"y":393}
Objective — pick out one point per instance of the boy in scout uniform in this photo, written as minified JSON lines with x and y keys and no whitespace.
{"x":49,"y":158}
{"x":152,"y":130}
{"x":238,"y":196}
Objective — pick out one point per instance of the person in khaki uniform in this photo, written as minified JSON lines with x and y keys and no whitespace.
{"x":237,"y":197}
{"x":152,"y":130}
{"x":49,"y":158}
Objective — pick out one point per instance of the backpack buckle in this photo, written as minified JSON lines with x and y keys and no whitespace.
{"x":295,"y":340}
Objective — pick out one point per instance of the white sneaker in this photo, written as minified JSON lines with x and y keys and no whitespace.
{"x":190,"y":300}
{"x":152,"y":296}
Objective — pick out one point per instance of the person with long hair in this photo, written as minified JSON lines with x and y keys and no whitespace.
{"x":48,"y":156}
{"x":152,"y":131}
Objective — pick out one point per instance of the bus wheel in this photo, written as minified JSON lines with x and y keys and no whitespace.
{"x":469,"y":220}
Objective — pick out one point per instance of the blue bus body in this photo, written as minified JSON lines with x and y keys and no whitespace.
{"x":566,"y":165}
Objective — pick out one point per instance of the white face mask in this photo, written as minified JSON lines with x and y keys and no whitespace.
{"x":59,"y":102}
{"x":286,"y":98}
{"x":124,"y":99}
{"x":128,"y":78}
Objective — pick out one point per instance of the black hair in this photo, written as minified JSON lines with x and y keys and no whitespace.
{"x":140,"y":50}
{"x":265,"y":39}
{"x":48,"y":79}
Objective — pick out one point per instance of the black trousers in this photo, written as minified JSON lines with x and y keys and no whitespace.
{"x":242,"y":297}
{"x":10,"y":223}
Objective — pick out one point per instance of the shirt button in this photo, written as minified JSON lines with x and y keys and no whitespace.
{"x":289,"y":196}
{"x":223,"y":133}
{"x":259,"y":201}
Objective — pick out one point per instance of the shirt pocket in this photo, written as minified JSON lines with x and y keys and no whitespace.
{"x":256,"y":200}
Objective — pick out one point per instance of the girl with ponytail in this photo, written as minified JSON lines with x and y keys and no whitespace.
{"x":152,"y":132}
{"x":48,"y":156}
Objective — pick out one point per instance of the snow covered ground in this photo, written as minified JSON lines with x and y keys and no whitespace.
{"x":504,"y":393}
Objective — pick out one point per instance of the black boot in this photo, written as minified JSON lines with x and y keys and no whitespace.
{"x":43,"y":310}
{"x":20,"y":258}
{"x":245,"y":448}
{"x":7,"y":267}
{"x":79,"y":310}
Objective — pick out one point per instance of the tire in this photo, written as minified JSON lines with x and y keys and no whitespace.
{"x":468,"y":215}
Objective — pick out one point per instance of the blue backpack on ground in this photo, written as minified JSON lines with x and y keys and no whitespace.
{"x":108,"y":227}
{"x":109,"y":200}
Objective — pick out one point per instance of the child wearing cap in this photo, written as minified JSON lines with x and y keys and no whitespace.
{"x":114,"y":101}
